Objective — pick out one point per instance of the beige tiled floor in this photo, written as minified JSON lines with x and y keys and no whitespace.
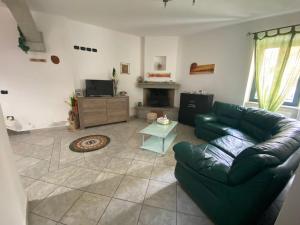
{"x":120,"y":184}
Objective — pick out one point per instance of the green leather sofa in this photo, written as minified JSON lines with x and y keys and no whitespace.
{"x":250,"y":156}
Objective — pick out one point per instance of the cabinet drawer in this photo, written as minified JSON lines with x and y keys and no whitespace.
{"x":94,"y":118}
{"x":196,"y":102}
{"x":117,"y":104}
{"x":117,"y":116}
{"x":88,"y":104}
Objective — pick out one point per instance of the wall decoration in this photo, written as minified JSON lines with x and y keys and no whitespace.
{"x":202,"y":69}
{"x":160,"y":63}
{"x":125,"y":68}
{"x":159,"y":75}
{"x":55,"y":59}
{"x":22,"y":42}
{"x":37,"y":60}
{"x":83,"y":48}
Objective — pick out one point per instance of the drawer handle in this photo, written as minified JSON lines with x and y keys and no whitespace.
{"x":191,"y":105}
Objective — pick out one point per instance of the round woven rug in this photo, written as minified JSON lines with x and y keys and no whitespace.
{"x":89,"y":143}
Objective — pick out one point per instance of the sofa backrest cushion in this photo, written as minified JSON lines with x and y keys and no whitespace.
{"x":259,"y":124}
{"x":266,"y":154}
{"x":281,"y":145}
{"x":248,"y":167}
{"x":228,"y":114}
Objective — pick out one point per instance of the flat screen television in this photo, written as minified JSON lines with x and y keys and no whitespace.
{"x":99,"y":88}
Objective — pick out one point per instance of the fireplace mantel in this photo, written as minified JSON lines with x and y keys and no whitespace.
{"x":160,"y":85}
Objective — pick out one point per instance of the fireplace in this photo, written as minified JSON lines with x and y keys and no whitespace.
{"x":158,"y":97}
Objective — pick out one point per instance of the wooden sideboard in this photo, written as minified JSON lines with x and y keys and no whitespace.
{"x":95,"y":111}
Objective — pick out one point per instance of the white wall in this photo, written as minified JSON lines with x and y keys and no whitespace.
{"x":113,"y":48}
{"x":37,"y":91}
{"x":289,"y":214}
{"x":161,"y":46}
{"x":231,"y":50}
{"x":12,"y":196}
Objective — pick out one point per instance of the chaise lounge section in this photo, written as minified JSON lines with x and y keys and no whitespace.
{"x":250,"y":156}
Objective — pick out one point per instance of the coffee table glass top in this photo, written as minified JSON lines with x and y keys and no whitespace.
{"x":159,"y":130}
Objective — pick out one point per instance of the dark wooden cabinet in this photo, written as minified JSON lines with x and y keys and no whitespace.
{"x":193,"y":104}
{"x":95,"y":111}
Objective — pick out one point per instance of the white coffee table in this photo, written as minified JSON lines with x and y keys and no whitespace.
{"x":159,"y":137}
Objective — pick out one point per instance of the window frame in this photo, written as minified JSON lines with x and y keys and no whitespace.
{"x":294,"y":103}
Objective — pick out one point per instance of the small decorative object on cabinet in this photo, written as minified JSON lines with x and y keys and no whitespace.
{"x":140,"y":79}
{"x":78,"y":92}
{"x":193,"y":104}
{"x":115,"y":80}
{"x":202,"y":69}
{"x":123,"y":93}
{"x":125,"y":68}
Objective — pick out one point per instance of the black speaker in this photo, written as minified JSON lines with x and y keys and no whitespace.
{"x":193,"y":104}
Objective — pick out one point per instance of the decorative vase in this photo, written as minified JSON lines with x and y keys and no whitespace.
{"x":115,"y":88}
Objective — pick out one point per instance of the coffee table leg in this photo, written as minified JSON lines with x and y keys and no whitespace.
{"x":163,"y":145}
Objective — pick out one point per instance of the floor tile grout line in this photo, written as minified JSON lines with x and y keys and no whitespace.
{"x":83,"y":190}
{"x":46,"y":197}
{"x":110,"y":200}
{"x":145,"y":193}
{"x":36,"y":214}
{"x":77,"y":199}
{"x":52,"y":153}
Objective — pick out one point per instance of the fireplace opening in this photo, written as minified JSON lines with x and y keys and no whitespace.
{"x":156,"y":97}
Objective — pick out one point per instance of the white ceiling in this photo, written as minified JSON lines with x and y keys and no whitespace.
{"x":149,"y":17}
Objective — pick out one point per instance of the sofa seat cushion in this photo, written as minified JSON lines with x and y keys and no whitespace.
{"x":240,"y":135}
{"x":222,"y":129}
{"x":205,"y":159}
{"x":232,"y":145}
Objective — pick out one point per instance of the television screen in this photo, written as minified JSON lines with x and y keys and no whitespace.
{"x":99,"y":88}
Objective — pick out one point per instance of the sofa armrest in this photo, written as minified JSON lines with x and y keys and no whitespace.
{"x":201,"y":160}
{"x":205,"y":118}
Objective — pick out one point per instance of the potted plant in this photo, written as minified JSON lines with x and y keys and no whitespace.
{"x":73,"y":113}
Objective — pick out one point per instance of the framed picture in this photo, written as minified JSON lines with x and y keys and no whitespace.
{"x":125,"y":68}
{"x":202,"y":69}
{"x":78,"y":93}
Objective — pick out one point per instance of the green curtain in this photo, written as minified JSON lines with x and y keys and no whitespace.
{"x":273,"y":77}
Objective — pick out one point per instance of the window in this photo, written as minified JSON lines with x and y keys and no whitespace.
{"x":268,"y":67}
